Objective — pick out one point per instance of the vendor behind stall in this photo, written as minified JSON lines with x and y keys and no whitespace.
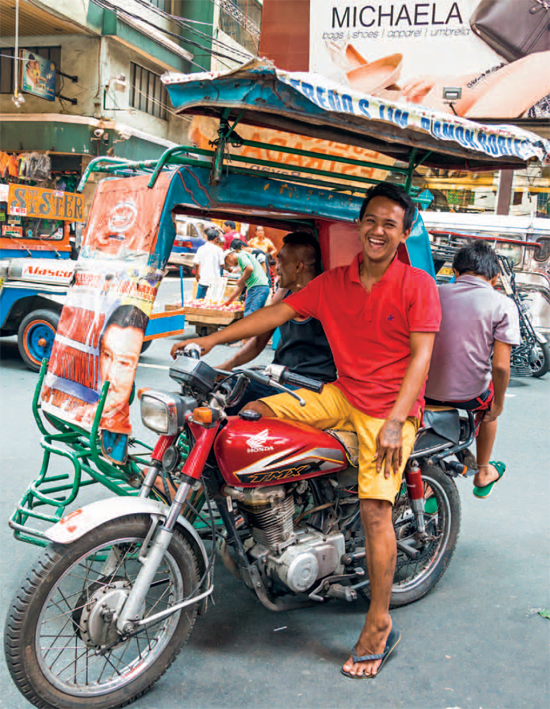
{"x":252,"y":277}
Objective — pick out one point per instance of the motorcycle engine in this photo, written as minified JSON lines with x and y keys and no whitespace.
{"x":296,"y":558}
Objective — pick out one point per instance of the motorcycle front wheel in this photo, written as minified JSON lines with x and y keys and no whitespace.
{"x":421,"y":562}
{"x":61,"y":645}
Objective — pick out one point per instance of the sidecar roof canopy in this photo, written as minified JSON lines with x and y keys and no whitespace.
{"x":259,"y":94}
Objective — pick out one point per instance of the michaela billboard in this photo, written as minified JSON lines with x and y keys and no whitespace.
{"x":481,"y":59}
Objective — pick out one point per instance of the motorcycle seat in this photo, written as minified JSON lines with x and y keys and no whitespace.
{"x":445,"y":422}
{"x":349,"y":440}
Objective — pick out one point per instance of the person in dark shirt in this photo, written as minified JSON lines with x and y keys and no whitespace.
{"x":303,"y":347}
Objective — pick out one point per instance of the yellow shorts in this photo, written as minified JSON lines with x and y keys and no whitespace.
{"x":331,"y":409}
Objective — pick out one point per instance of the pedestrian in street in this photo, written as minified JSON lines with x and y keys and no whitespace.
{"x":380,"y":317}
{"x":253,"y":277}
{"x":470,"y":366}
{"x":208,"y":262}
{"x":260,"y":241}
{"x":230,"y":232}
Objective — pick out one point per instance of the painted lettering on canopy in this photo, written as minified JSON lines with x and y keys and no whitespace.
{"x":331,"y":100}
{"x":47,"y":204}
{"x":489,"y":143}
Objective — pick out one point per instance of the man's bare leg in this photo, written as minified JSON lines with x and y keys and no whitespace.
{"x":484,"y":447}
{"x":381,"y":553}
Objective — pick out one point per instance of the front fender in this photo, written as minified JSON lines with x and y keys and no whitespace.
{"x":81,"y":521}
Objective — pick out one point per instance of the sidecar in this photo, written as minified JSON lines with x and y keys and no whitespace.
{"x":271,"y":148}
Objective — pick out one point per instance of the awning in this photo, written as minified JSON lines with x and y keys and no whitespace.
{"x":257,"y":93}
{"x":74,"y":135}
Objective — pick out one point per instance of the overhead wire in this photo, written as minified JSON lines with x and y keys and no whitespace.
{"x":184,"y":23}
{"x":106,"y":5}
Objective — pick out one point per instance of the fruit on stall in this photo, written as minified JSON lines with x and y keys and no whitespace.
{"x":214,"y":305}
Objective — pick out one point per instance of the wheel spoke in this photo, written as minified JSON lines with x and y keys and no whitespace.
{"x":95,"y":659}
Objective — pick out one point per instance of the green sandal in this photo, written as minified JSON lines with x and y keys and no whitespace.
{"x":486,"y":490}
{"x":430,"y":506}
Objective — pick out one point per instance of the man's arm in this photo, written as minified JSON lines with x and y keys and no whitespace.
{"x":389,"y":442}
{"x":501,"y":377}
{"x":257,"y":323}
{"x":240,"y":284}
{"x":255,"y":345}
{"x":197,"y":271}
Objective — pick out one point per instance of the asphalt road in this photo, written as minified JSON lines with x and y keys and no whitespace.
{"x":476,"y":642}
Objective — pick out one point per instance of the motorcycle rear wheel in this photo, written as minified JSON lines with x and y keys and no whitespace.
{"x":55,"y":621}
{"x":539,"y":359}
{"x":415,"y":577}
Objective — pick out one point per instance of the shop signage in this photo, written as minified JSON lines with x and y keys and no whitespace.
{"x":48,"y":204}
{"x":37,"y":75}
{"x":446,"y":55}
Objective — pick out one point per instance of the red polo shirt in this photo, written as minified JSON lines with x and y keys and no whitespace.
{"x":369,"y":333}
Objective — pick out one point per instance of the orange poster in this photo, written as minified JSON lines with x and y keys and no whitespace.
{"x":124,"y":218}
{"x":203,"y":130}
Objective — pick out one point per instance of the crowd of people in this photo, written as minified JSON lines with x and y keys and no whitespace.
{"x":251,"y":262}
{"x":382,"y":335}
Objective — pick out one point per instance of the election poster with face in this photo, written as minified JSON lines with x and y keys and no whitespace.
{"x":99,"y":339}
{"x":480,"y":59}
{"x":108,"y":305}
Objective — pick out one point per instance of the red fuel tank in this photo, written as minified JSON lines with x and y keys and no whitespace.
{"x":271,"y":451}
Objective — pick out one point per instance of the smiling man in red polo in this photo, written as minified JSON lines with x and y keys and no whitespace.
{"x":380,"y":317}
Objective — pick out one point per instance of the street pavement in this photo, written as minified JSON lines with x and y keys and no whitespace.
{"x":476,"y":642}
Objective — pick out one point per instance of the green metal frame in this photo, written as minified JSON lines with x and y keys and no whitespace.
{"x":187,"y":155}
{"x":47,"y":497}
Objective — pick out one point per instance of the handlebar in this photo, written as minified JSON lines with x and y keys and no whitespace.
{"x":300,"y":381}
{"x":192,"y":350}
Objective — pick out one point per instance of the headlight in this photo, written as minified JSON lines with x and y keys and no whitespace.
{"x":162,"y":413}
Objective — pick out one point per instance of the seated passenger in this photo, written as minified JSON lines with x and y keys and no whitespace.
{"x":477,"y":322}
{"x":303,"y":347}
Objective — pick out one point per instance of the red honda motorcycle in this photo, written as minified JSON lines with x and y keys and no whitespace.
{"x":108,"y":606}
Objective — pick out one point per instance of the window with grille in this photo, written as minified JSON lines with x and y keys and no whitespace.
{"x":147,"y":92}
{"x":165,"y":5}
{"x":53,"y":54}
{"x":241,"y":20}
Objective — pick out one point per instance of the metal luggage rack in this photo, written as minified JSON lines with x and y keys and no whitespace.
{"x":46,"y":499}
{"x":218,"y":158}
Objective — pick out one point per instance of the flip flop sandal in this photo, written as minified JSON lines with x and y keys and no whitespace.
{"x":486,"y":490}
{"x":391,"y":643}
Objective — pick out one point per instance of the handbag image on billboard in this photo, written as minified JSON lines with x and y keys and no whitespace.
{"x":513,"y":28}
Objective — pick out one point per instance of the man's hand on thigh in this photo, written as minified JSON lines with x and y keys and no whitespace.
{"x":389,"y":447}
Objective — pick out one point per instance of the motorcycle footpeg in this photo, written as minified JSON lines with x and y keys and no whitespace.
{"x":344,"y":593}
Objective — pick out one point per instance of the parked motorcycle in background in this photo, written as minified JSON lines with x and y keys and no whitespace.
{"x":114,"y":597}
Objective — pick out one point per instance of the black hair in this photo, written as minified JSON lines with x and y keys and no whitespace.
{"x":396,"y":194}
{"x":229,"y":223}
{"x":211,"y":233}
{"x":127,"y":316}
{"x":237,"y":245}
{"x":307,"y":240}
{"x":477,"y":257}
